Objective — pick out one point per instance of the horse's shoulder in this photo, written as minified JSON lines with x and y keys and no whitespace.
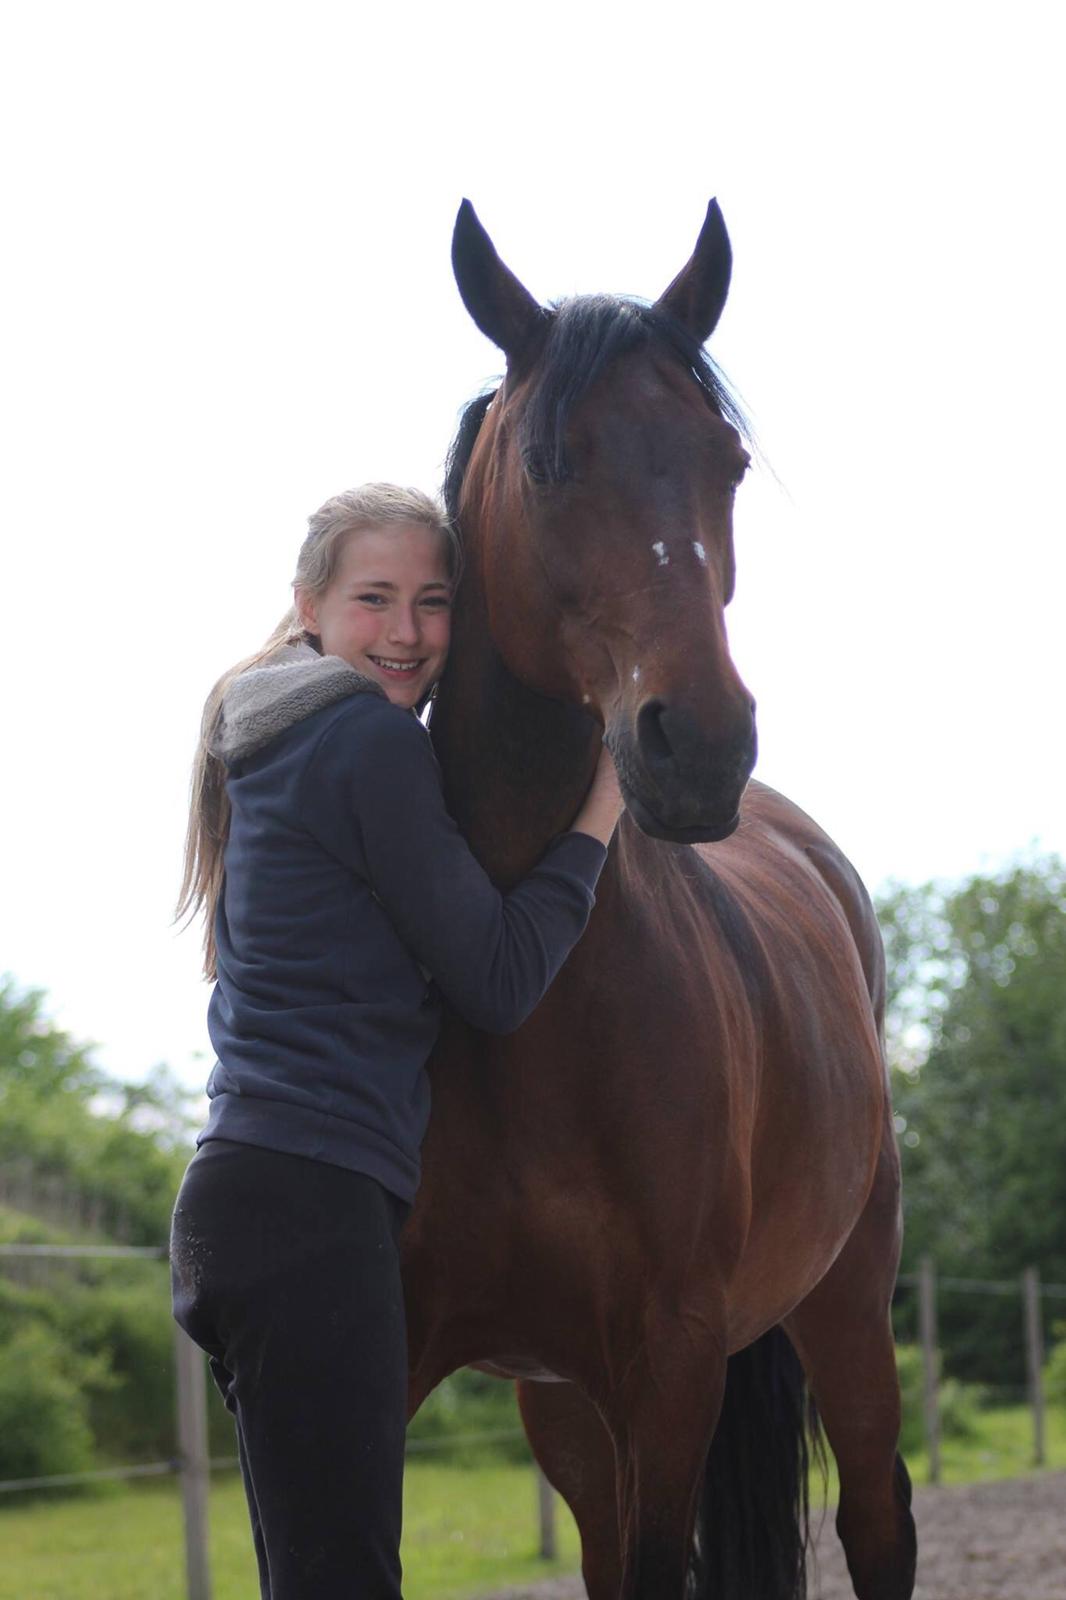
{"x":778,"y":867}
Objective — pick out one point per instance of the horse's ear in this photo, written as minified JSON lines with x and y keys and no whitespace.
{"x":699,"y":291}
{"x":503,"y":308}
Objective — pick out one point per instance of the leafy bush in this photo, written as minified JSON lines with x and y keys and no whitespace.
{"x":18,"y":1228}
{"x":479,"y":1412}
{"x":959,"y":1403}
{"x":128,"y":1326}
{"x":45,"y":1392}
{"x":19,"y":1305}
{"x":1055,"y":1369}
{"x":86,"y":1347}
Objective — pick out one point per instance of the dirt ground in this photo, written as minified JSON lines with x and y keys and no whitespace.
{"x":989,"y":1541}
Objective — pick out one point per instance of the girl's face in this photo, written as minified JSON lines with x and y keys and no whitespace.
{"x":387,"y":611}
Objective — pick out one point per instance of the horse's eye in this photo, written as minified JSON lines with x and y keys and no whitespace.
{"x":536,"y":468}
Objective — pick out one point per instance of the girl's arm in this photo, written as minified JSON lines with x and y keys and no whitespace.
{"x":372,"y":796}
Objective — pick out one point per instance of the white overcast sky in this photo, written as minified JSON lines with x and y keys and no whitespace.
{"x":228,"y":295}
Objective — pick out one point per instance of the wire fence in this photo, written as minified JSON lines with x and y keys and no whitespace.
{"x":923,"y":1299}
{"x":1001,"y":1324}
{"x":194,"y":1420}
{"x":450,"y":1441}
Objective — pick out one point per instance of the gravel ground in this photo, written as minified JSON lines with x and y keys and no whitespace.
{"x":988,"y":1541}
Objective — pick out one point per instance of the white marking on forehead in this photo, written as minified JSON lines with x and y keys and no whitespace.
{"x":636,"y":674}
{"x":584,"y":699}
{"x":660,"y":553}
{"x":700,"y":551}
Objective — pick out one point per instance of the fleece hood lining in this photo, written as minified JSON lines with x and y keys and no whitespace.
{"x":290,"y":684}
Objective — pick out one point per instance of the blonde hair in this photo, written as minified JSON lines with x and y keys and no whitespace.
{"x":372,"y":505}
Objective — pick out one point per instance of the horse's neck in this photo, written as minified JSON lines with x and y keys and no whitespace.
{"x":516,"y":765}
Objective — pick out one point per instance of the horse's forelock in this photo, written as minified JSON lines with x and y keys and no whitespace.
{"x":584,"y":336}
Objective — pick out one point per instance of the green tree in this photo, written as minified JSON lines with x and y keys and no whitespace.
{"x":977,"y":1038}
{"x":85,"y":1347}
{"x":122,"y":1144}
{"x":37,"y":1056}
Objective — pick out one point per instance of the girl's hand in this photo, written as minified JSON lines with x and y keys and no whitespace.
{"x":603,"y":804}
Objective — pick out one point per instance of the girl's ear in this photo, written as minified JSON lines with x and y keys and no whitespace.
{"x":306,"y":610}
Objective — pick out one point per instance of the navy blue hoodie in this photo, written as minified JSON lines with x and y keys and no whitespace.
{"x":350,"y":905}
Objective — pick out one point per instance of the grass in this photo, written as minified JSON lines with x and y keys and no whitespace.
{"x":468,"y":1530}
{"x":1002,"y":1447}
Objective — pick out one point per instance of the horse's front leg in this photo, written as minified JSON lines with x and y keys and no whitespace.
{"x":438,"y":1343}
{"x":662,"y":1418}
{"x":844,"y":1337}
{"x":574,"y":1451}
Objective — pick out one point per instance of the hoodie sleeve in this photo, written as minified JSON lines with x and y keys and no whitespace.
{"x":372,"y":796}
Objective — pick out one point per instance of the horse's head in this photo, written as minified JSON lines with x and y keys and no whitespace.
{"x":598,"y":505}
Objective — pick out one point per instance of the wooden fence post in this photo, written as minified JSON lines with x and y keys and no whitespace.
{"x":930,"y":1362}
{"x":546,"y":1511}
{"x":1034,"y":1358}
{"x":193,"y":1462}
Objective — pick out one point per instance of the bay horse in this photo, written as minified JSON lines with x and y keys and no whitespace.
{"x":679,"y":1175}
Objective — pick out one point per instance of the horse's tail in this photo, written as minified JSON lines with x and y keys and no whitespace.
{"x":752,"y":1523}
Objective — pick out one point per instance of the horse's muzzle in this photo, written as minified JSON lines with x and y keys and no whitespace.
{"x":678,"y":783}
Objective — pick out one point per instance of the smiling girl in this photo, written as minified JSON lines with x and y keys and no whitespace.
{"x":342,"y":907}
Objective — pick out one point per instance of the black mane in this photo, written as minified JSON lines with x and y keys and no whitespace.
{"x":585,"y":335}
{"x":460,"y":451}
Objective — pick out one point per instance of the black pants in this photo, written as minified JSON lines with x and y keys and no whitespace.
{"x":286,"y":1271}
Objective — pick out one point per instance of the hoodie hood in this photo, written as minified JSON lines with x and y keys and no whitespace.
{"x":290,"y":684}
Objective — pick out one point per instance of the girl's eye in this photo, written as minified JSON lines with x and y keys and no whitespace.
{"x":436,"y":602}
{"x":372,"y":599}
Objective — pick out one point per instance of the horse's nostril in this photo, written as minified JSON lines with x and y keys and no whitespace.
{"x":651,"y":735}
